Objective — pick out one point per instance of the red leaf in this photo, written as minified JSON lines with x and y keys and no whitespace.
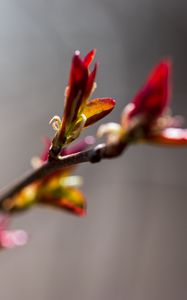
{"x":91,"y":80}
{"x":77,"y":85}
{"x":89,"y":57}
{"x":153,"y":98}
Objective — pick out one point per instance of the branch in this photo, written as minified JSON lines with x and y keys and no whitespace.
{"x":99,"y":152}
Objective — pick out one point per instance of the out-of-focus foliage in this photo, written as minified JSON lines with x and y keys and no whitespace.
{"x":59,"y":189}
{"x":148,"y":115}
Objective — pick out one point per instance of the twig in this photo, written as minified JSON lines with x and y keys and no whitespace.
{"x":101,"y":151}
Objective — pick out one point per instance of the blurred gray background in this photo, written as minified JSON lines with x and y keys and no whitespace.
{"x":133,"y":243}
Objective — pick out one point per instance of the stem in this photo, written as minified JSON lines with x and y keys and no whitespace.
{"x":101,"y":151}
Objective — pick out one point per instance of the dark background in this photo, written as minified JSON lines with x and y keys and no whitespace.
{"x":133,"y":243}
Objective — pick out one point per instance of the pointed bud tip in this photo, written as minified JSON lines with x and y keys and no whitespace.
{"x":89,"y":57}
{"x":112,"y":101}
{"x":164,"y":66}
{"x":92,"y":52}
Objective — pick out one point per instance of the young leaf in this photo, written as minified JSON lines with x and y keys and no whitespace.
{"x":98,"y":108}
{"x":71,"y":199}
